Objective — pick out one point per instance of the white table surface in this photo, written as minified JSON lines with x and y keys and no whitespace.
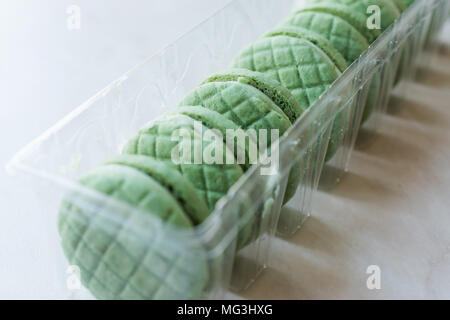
{"x":392,"y":209}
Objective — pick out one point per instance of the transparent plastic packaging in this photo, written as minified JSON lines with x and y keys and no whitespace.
{"x":95,"y":131}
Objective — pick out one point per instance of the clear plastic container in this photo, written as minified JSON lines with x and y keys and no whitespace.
{"x":95,"y":131}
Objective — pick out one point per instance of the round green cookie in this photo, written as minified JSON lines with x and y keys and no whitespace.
{"x":123,"y":253}
{"x":250,"y":225}
{"x":183,"y":137}
{"x":246,"y":106}
{"x":249,"y":108}
{"x":210,"y":118}
{"x":342,"y":35}
{"x":356,"y":19}
{"x":335,"y":61}
{"x":338,"y":130}
{"x":315,"y":38}
{"x":352,"y":13}
{"x":389,"y":12}
{"x":295,"y":63}
{"x":179,"y":187}
{"x":216,"y":121}
{"x":281,"y":96}
{"x":336,"y":24}
{"x":211,"y":180}
{"x":329,"y":21}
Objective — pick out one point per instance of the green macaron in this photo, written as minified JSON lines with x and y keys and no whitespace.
{"x":119,"y":252}
{"x":249,"y":108}
{"x":339,"y":26}
{"x":328,"y":21}
{"x":181,"y":143}
{"x":178,"y":186}
{"x":220,"y":124}
{"x":388,"y":11}
{"x":246,"y":106}
{"x":212,"y":180}
{"x":355,"y":18}
{"x":292,"y":57}
{"x":315,"y":38}
{"x":338,"y":130}
{"x":295,"y":63}
{"x":388,"y":14}
{"x":280,"y":95}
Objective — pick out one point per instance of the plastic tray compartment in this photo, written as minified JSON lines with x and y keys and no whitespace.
{"x":410,"y":39}
{"x":389,"y":62}
{"x":96,"y":130}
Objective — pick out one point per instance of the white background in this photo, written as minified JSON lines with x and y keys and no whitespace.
{"x":46,"y":71}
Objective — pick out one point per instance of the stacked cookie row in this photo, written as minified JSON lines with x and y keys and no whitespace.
{"x":268,"y":87}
